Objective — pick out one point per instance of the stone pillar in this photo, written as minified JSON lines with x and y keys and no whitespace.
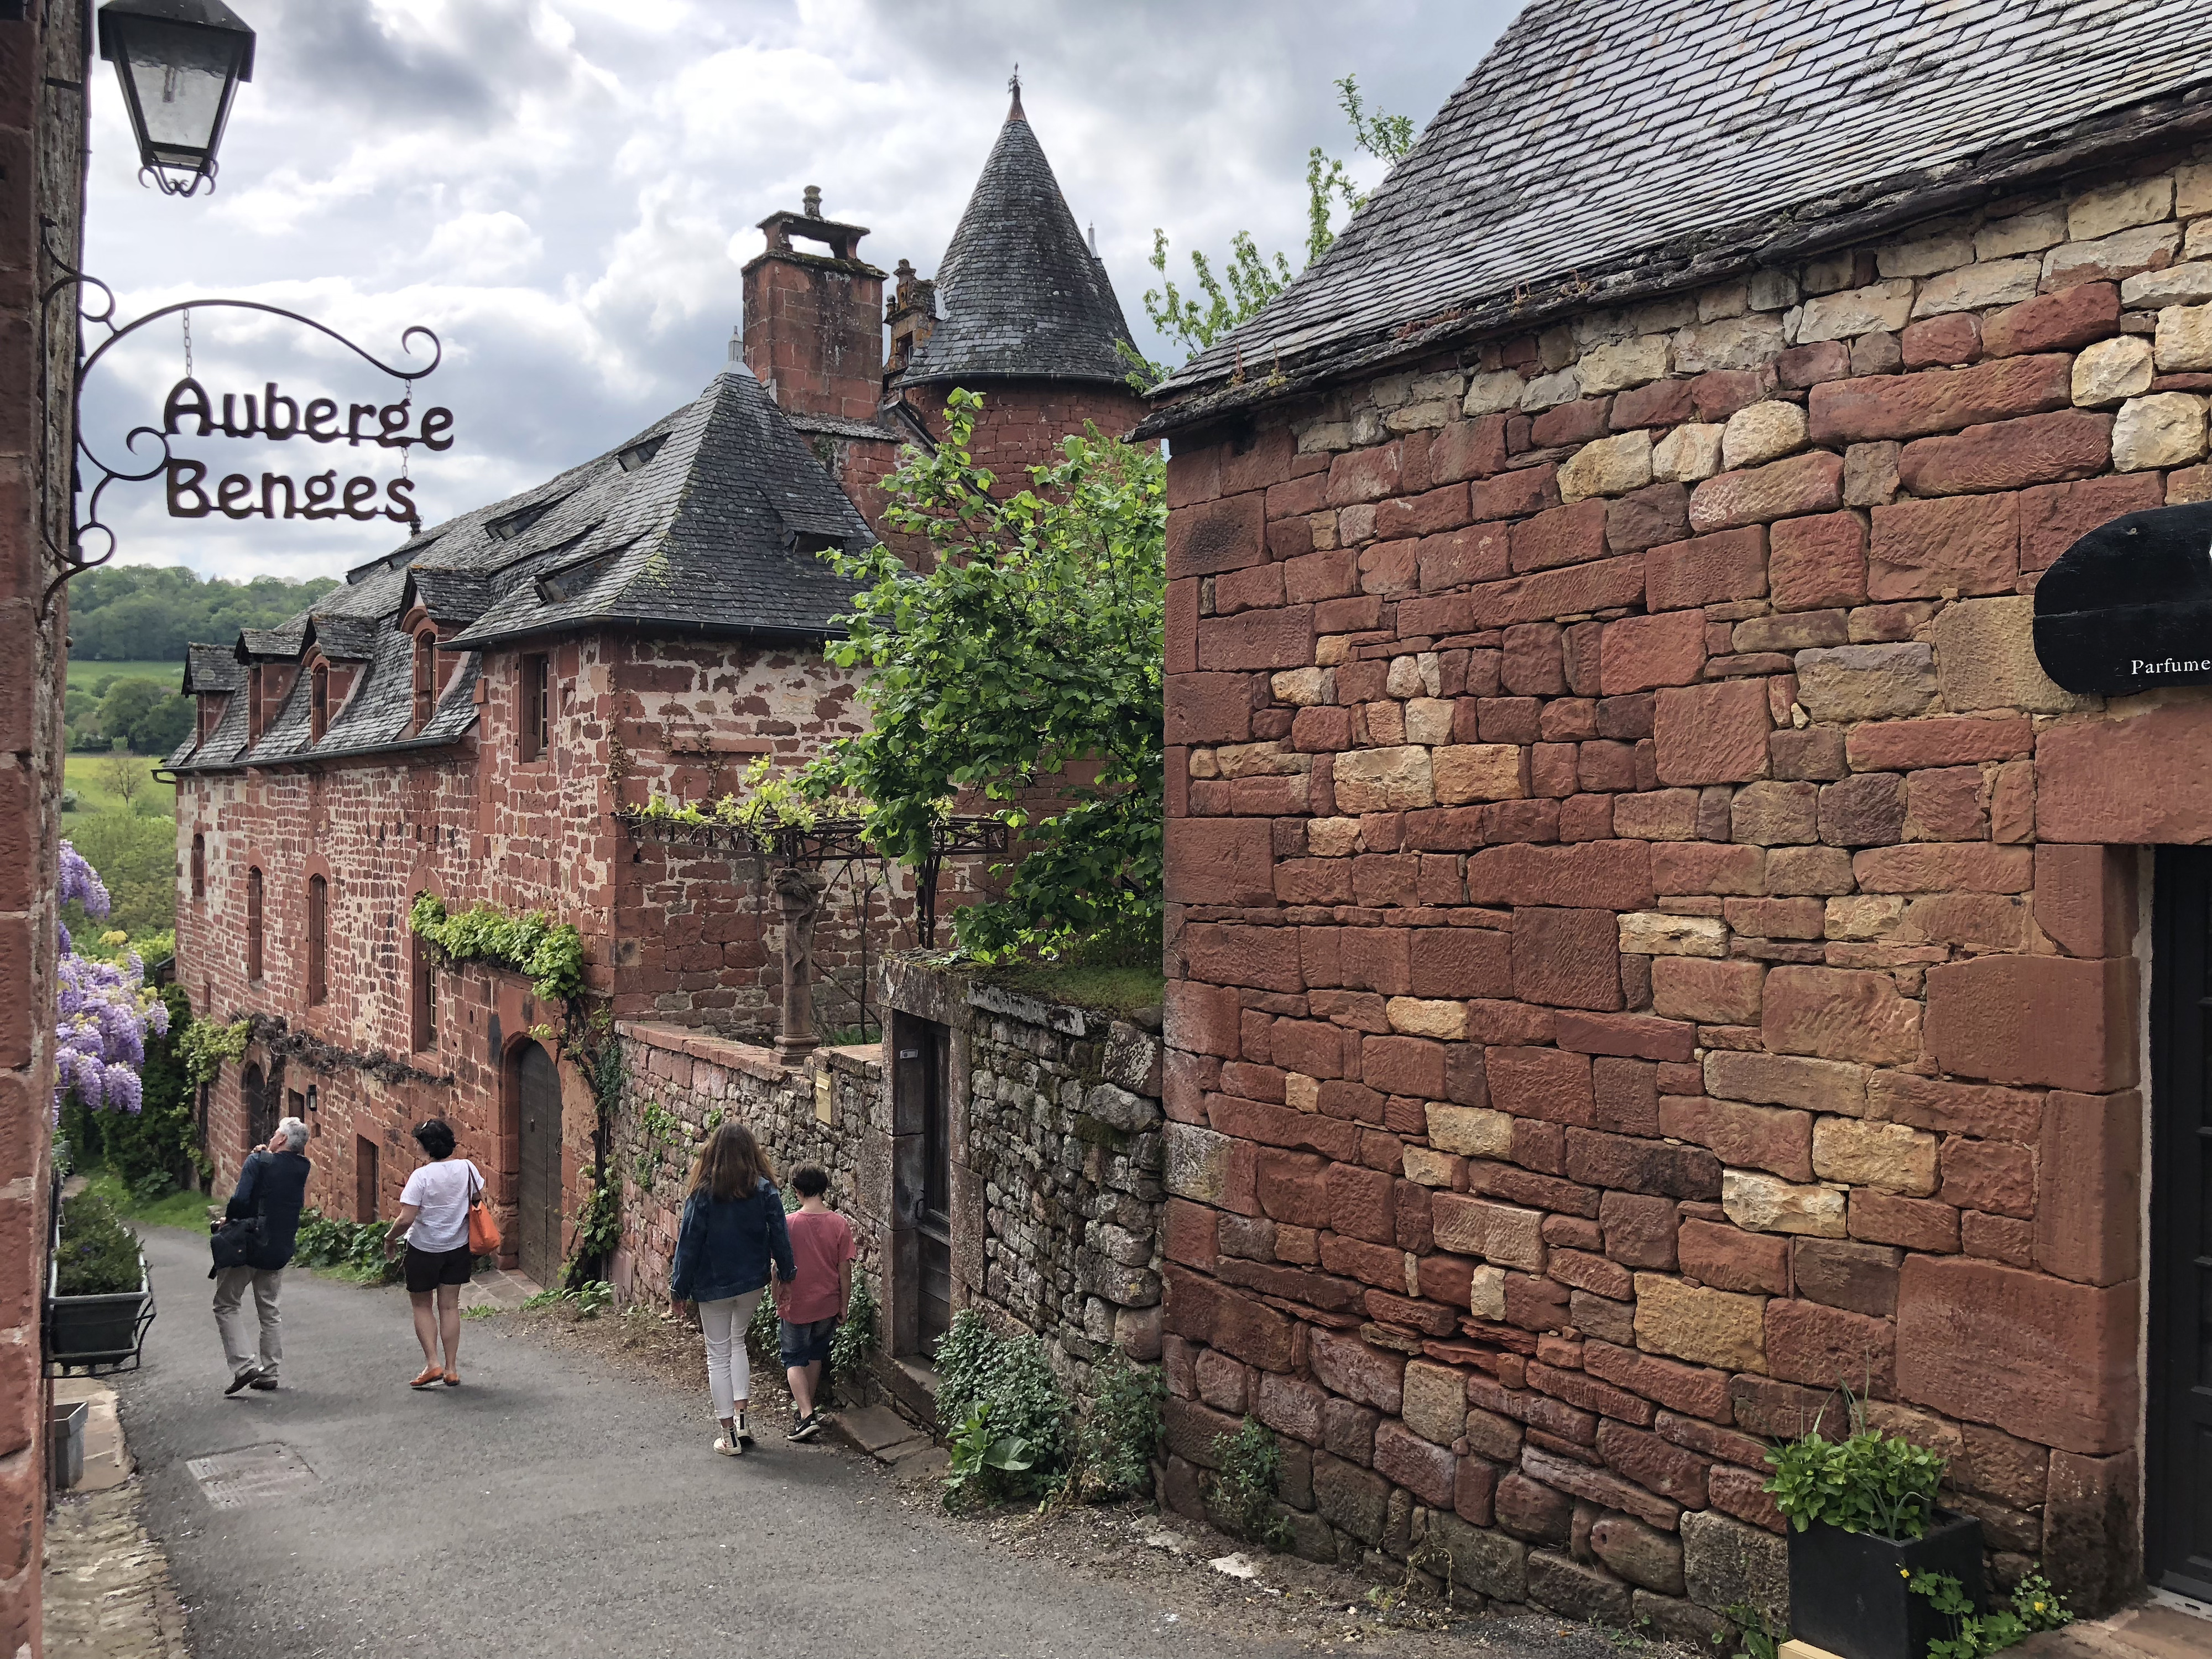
{"x":798,"y":892}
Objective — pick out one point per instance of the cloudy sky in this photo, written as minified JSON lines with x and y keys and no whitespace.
{"x":565,"y":189}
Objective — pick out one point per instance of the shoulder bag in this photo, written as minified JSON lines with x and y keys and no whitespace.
{"x":484,"y":1231}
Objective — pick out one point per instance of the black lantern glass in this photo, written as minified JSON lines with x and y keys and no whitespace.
{"x":180,"y":62}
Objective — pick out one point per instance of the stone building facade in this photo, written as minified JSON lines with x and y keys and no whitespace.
{"x":468,"y":715}
{"x":43,"y":50}
{"x":1649,"y":946}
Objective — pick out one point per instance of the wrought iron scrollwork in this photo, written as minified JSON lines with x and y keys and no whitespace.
{"x":71,"y":560}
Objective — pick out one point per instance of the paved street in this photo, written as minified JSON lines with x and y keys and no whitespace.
{"x":551,"y":1507}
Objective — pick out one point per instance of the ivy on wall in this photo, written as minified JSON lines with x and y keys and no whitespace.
{"x":551,"y":954}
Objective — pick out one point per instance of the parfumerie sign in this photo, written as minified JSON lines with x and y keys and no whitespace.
{"x":2129,"y":606}
{"x":189,"y":411}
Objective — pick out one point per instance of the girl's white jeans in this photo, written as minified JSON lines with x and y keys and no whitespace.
{"x":724,"y":1324}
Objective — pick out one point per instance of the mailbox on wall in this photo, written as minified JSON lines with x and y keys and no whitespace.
{"x":2129,"y":607}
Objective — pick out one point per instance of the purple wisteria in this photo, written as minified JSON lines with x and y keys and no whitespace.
{"x":104,"y":1009}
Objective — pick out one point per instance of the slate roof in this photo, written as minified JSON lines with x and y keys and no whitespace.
{"x":1020,"y":295}
{"x":707,"y":522}
{"x":1602,"y":152}
{"x":212,"y":668}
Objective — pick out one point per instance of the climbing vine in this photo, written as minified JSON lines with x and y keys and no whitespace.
{"x":551,"y":954}
{"x":206,"y":1045}
{"x":769,"y":804}
{"x":659,"y":1132}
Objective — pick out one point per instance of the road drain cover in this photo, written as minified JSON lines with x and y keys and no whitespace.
{"x":250,"y":1475}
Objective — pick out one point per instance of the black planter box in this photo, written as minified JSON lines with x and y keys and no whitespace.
{"x":1847,"y":1589}
{"x":102,"y":1333}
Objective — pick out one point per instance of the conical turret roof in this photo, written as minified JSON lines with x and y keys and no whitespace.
{"x":1020,"y":294}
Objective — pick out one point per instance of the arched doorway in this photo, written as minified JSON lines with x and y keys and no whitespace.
{"x":537,"y":1117}
{"x":259,"y":1101}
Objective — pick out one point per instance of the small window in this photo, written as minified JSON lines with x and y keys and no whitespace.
{"x":537,"y":713}
{"x":425,"y":1020}
{"x":199,"y":864}
{"x":318,"y":934}
{"x":641,"y":453}
{"x":253,"y":704}
{"x":425,"y":677}
{"x":319,"y":707}
{"x":253,"y":924}
{"x":364,"y":1178}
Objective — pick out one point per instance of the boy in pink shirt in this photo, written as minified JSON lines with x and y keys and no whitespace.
{"x":811,"y":1302}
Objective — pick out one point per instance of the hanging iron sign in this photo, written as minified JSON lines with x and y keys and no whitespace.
{"x":272,"y":415}
{"x":2129,"y":606}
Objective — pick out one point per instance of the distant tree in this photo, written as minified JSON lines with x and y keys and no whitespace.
{"x":162,"y":727}
{"x":149,"y":716}
{"x":122,"y":775}
{"x":150,"y":613}
{"x":137,"y":857}
{"x":1248,"y":279}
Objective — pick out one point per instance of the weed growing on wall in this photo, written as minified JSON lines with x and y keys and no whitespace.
{"x":855,"y":1339}
{"x":353,"y":1249}
{"x":1244,"y":1489}
{"x":1117,"y":1437}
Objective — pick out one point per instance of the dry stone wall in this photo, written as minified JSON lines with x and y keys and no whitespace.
{"x":1649,"y":943}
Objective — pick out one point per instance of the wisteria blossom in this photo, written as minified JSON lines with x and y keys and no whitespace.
{"x":105,"y":1010}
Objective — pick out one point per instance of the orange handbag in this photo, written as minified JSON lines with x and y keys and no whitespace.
{"x":484,"y":1231}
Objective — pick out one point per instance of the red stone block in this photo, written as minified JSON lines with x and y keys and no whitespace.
{"x":2035,"y":449}
{"x":1549,"y":1084}
{"x":1654,"y":1463}
{"x":1640,"y":653}
{"x":1627,"y":1095}
{"x":1808,"y":1342}
{"x":1514,"y":495}
{"x":1613,"y":875}
{"x":2048,"y":1360}
{"x":1220,"y":862}
{"x":1744,"y":1136}
{"x":1995,"y":1176}
{"x":1561,"y":536}
{"x":1688,"y":1389}
{"x":1375,"y":959}
{"x":1915,"y":1223}
{"x":1742,"y":1493}
{"x":1258,"y":639}
{"x":1629,"y":1163}
{"x":1474,"y":1492}
{"x":1970,"y":544}
{"x":1729,"y":1259}
{"x":1203,"y":1019}
{"x":1467,"y":449}
{"x":1818,"y":563}
{"x":1216,"y":536}
{"x":1181,"y":627}
{"x":2053,"y":517}
{"x":1805,"y":365}
{"x":1709,"y":992}
{"x":1360,"y":1204}
{"x":1347,"y":1366}
{"x":2139,"y":780}
{"x":1426,"y":515}
{"x":1656,"y":514}
{"x":1940,"y":400}
{"x":1719,"y":394}
{"x":2002,"y":1238}
{"x":2053,"y":322}
{"x":1810,"y":483}
{"x":1479,"y":554}
{"x":1839,"y":1013}
{"x":2088,"y":1205}
{"x":1548,"y":595}
{"x":1685,"y":868}
{"x":1231,"y":954}
{"x":1430,"y":1472}
{"x":2053,"y":1020}
{"x":1251,"y":1331}
{"x":1206,"y":708}
{"x":1636,"y":1035}
{"x":1945,"y":341}
{"x":1566,"y":958}
{"x":1661,"y":402}
{"x":1576,"y":423}
{"x":1902,"y":745}
{"x":1366,"y":475}
{"x":1403,"y":1065}
{"x":1459,"y":962}
{"x":1713,"y":734}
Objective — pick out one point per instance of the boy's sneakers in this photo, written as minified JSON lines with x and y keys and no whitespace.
{"x":807,"y":1426}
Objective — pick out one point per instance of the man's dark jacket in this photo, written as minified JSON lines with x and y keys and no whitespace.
{"x":273,"y":1186}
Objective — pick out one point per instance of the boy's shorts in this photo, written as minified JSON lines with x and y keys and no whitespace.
{"x":802,"y":1345}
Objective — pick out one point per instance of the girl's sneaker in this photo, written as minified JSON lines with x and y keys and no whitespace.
{"x":744,"y":1432}
{"x":732,"y":1443}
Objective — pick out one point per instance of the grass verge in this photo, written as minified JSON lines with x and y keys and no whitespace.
{"x":179,"y":1209}
{"x":1119,"y":990}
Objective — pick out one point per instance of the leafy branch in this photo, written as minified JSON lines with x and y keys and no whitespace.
{"x":551,"y":956}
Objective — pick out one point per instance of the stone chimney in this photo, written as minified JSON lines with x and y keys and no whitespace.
{"x":911,"y":314}
{"x":813,"y":328}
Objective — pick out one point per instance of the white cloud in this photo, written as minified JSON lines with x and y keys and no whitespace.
{"x":564,"y":191}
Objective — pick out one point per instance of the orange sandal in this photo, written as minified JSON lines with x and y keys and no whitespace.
{"x":429,"y":1379}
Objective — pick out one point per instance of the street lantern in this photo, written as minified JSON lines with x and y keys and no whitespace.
{"x":180,"y":62}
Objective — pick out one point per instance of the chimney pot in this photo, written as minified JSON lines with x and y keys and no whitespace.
{"x":813,"y":201}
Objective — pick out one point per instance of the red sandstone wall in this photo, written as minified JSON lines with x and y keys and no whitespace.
{"x":1022,"y":422}
{"x":1642,"y":953}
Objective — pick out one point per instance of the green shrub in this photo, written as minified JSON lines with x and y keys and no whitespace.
{"x":855,"y":1340}
{"x":354,"y":1248}
{"x":1244,"y":1492}
{"x":1009,"y":1377}
{"x":99,"y":1255}
{"x":1115,"y":1440}
{"x":1870,"y":1483}
{"x":2035,"y":1607}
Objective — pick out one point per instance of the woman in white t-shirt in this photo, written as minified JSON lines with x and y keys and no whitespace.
{"x":433,"y":1219}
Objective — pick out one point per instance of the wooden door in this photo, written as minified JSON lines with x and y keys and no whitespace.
{"x":2178,"y":1509}
{"x":259,"y":1099}
{"x":934,"y":1225}
{"x":365,"y":1179}
{"x":538,"y":1092}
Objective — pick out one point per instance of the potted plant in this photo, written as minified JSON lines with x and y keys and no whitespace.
{"x":100,"y":1299}
{"x":1864,"y":1525}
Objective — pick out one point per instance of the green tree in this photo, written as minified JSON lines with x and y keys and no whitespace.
{"x":1035,"y":642}
{"x":1248,"y":279}
{"x":151,"y":717}
{"x":137,"y":857}
{"x":149,"y":613}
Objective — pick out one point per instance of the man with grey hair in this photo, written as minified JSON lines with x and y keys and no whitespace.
{"x":271,"y":1189}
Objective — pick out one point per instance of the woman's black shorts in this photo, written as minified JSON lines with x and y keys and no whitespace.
{"x":428,"y":1269}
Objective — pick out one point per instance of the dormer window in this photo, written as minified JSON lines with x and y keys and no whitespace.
{"x":425,"y":677}
{"x":507,"y":527}
{"x":319,"y":705}
{"x":641,"y":453}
